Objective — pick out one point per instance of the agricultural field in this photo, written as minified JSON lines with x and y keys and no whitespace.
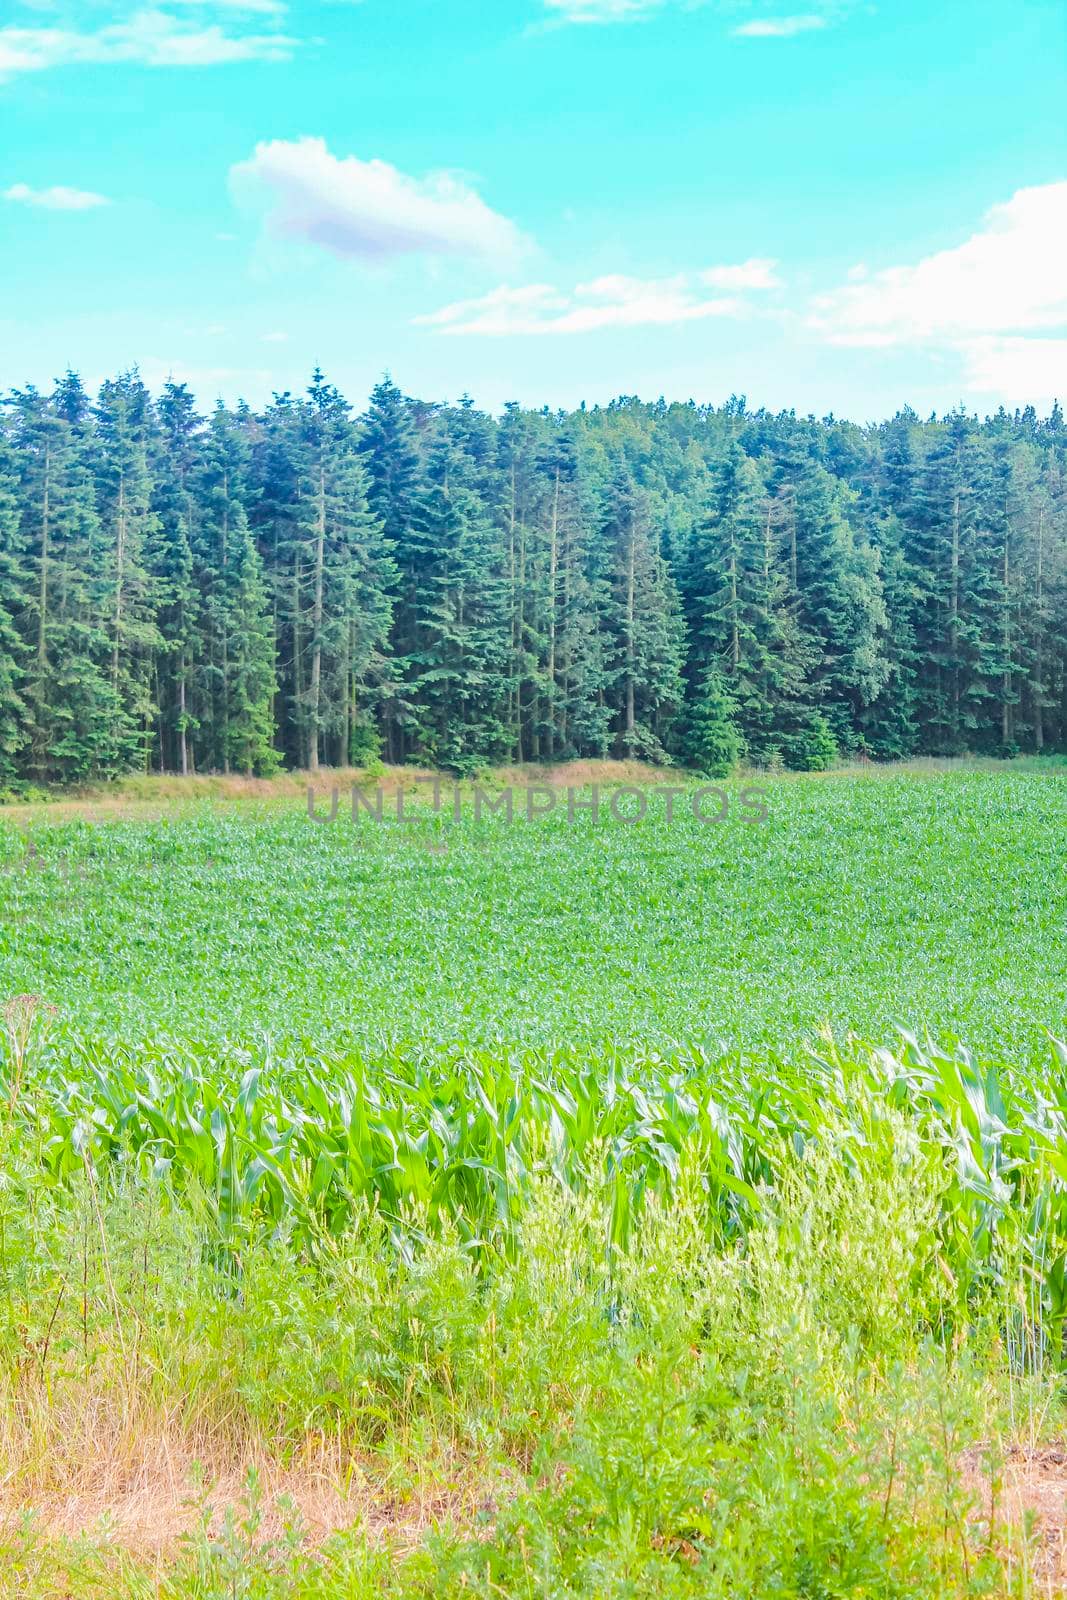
{"x":572,"y":1206}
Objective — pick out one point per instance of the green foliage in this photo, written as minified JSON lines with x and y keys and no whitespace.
{"x":648,"y":1318}
{"x":813,"y":747}
{"x":679,"y":1412}
{"x":860,"y":905}
{"x":711,"y":741}
{"x":538,"y":587}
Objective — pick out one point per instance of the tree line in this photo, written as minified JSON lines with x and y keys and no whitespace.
{"x":301,"y":586}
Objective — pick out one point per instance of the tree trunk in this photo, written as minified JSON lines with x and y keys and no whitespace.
{"x":183,"y":744}
{"x":735,"y":631}
{"x":120,"y":564}
{"x":553,"y":559}
{"x":1039,"y":665}
{"x":1005,"y":708}
{"x":298,"y":677}
{"x":630,"y":643}
{"x":40,"y":693}
{"x":954,"y":614}
{"x":225,"y":718}
{"x":316,"y":626}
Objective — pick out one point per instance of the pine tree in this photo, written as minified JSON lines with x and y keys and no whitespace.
{"x":558,"y":465}
{"x":523,"y":492}
{"x":177,"y":597}
{"x":288,"y":585}
{"x":221,"y":477}
{"x":342,"y":550}
{"x":127,"y":529}
{"x":250,"y":682}
{"x":14,"y":598}
{"x":711,"y":742}
{"x":737,"y":598}
{"x":457,"y":666}
{"x":837,"y":601}
{"x":77,"y":720}
{"x":643,"y":621}
{"x":886,"y":724}
{"x":393,"y":489}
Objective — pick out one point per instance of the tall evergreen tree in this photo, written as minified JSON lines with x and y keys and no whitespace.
{"x":250,"y":681}
{"x":289,"y":585}
{"x":394,"y":490}
{"x":79,"y":728}
{"x":643,"y":621}
{"x":13,"y":608}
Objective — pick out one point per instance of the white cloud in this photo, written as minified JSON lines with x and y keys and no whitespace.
{"x":275,"y":338}
{"x":756,"y":273}
{"x":57,"y":198}
{"x":824,"y":13}
{"x":609,"y":302}
{"x":369,"y":208}
{"x":998,"y":301}
{"x":779,"y":27}
{"x":601,"y":10}
{"x":1017,"y":369}
{"x":265,"y":8}
{"x":1006,"y":278}
{"x":150,"y":38}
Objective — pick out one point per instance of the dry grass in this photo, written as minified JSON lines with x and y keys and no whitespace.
{"x":1028,"y":1496}
{"x":149,"y":799}
{"x":90,"y":1465}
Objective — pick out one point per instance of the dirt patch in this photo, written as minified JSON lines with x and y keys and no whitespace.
{"x":148,"y":1507}
{"x":1032,"y":1496}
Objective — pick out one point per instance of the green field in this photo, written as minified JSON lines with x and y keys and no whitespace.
{"x":553,"y":1208}
{"x":935,"y":902}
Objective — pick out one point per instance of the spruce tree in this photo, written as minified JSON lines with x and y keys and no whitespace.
{"x":250,"y":682}
{"x":14,"y":598}
{"x":221,"y":476}
{"x":643,"y":621}
{"x":78,"y":728}
{"x":127,"y":530}
{"x":394,"y":489}
{"x":737,"y":597}
{"x":711,"y":741}
{"x":343,"y":552}
{"x":174,"y":503}
{"x":836,"y":598}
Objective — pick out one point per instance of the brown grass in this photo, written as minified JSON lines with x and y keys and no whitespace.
{"x":89,"y":1464}
{"x":150,"y":798}
{"x":1029,"y":1498}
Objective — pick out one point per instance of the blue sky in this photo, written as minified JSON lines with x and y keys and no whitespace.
{"x":822,"y":204}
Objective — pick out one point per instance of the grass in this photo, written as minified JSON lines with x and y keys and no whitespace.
{"x":446,"y":1207}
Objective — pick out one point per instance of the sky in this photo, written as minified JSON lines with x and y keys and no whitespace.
{"x":839,"y":206}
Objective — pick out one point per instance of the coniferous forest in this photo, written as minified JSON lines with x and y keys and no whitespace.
{"x":303,"y":586}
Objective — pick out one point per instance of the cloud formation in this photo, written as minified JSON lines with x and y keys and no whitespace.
{"x":1018,"y":368}
{"x":780,"y":27}
{"x":57,"y":198}
{"x":593,"y":11}
{"x":1007,"y":276}
{"x":613,"y":301}
{"x":756,"y":273}
{"x":982,"y":298}
{"x":368,"y":209}
{"x":264,"y":8}
{"x":822,"y":15}
{"x":150,"y":38}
